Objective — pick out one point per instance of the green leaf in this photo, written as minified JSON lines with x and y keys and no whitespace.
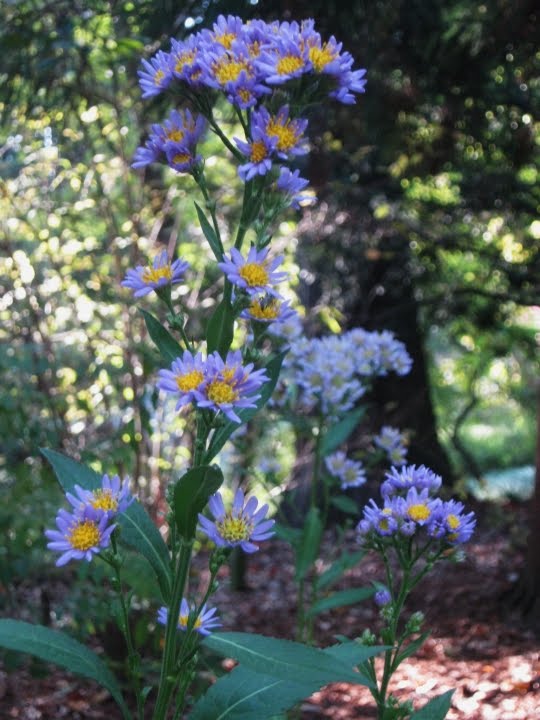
{"x":411,"y":648}
{"x":191,"y":494}
{"x":309,"y":546}
{"x":220,"y":328}
{"x":291,"y":535}
{"x":138,"y":530}
{"x":246,"y":695}
{"x":282,"y":659}
{"x":435,"y":709}
{"x":56,"y":647}
{"x":168,"y":347}
{"x":340,"y":599}
{"x":335,"y":571}
{"x":345,"y":504}
{"x":210,"y":234}
{"x":222,"y":434}
{"x":339,"y":432}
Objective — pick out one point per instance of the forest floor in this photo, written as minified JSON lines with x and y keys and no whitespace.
{"x":479,"y":644}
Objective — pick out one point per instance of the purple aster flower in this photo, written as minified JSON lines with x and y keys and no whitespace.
{"x":410,"y":476}
{"x":383,"y":597}
{"x":286,"y":60}
{"x":180,"y":157}
{"x":228,"y":385}
{"x":349,"y":472}
{"x":383,"y":521}
{"x":163,"y":272}
{"x":242,"y":525}
{"x":259,"y":151}
{"x":267,"y":309}
{"x":225,"y":31}
{"x":185,"y":377}
{"x":183,"y":59}
{"x":417,"y":506}
{"x":180,"y":130}
{"x":449,"y":523}
{"x":223,"y":69}
{"x":288,"y":132}
{"x":204,"y":623}
{"x":156,"y":75}
{"x":254,"y":274}
{"x":351,"y":82}
{"x":112,"y":497}
{"x":80,"y":535}
{"x":291,"y":184}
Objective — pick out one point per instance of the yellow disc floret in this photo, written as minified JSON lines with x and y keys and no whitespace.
{"x":289,"y":64}
{"x":176,"y":135}
{"x":286,"y":135}
{"x":84,"y":535}
{"x":419,"y":512}
{"x":234,"y":529}
{"x":226,"y":39}
{"x":104,"y":500}
{"x":190,"y":381}
{"x":258,"y":151}
{"x":265,"y":309}
{"x":219,"y":392}
{"x":158,"y":77}
{"x":181,"y":158}
{"x":255,"y":274}
{"x":228,"y":70}
{"x":185,"y":58}
{"x":453,"y":521}
{"x":321,"y":56}
{"x":152,"y":275}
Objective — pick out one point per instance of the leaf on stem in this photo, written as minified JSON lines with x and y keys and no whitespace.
{"x":435,"y":709}
{"x":308,"y":548}
{"x":56,"y":647}
{"x":209,"y":233}
{"x":340,"y":599}
{"x":339,"y":432}
{"x":162,"y":338}
{"x":191,"y":494}
{"x":220,"y":328}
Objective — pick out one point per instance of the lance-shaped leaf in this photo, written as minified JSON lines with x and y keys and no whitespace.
{"x":338,"y":433}
{"x":336,"y":570}
{"x":162,"y":338}
{"x":435,"y":709}
{"x":220,"y":328}
{"x":308,"y":548}
{"x":58,"y":648}
{"x":191,"y":494}
{"x":340,"y":599}
{"x":246,"y":695}
{"x":222,"y":434}
{"x":283,"y":659}
{"x":210,"y":234}
{"x":137,"y":529}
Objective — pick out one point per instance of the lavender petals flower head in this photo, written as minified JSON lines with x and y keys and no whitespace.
{"x":268,"y":309}
{"x":410,"y":476}
{"x":243,"y":525}
{"x":111,"y":498}
{"x":205,"y":622}
{"x":254,"y":274}
{"x":80,"y":535}
{"x":163,"y":272}
{"x":156,"y":74}
{"x":185,"y":377}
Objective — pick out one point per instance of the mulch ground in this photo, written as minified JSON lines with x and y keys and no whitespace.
{"x":479,"y":644}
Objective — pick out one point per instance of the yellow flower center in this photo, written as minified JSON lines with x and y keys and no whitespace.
{"x":181,"y":158}
{"x":265,"y":309}
{"x":453,"y":521}
{"x":228,"y":70}
{"x":383,"y":524}
{"x":258,"y":151}
{"x":84,"y":535}
{"x":286,"y":135}
{"x":228,"y":374}
{"x":289,"y":64}
{"x":226,"y":39}
{"x":190,"y":381}
{"x":104,"y":500}
{"x":158,"y":77}
{"x":220,"y":391}
{"x":176,"y":135}
{"x":185,"y":58}
{"x":184,"y":619}
{"x":234,"y":529}
{"x":419,"y":512}
{"x":254,"y":49}
{"x":255,"y":274}
{"x":320,"y":57}
{"x":245,"y":95}
{"x":152,"y":275}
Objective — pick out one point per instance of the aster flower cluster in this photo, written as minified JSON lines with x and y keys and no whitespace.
{"x":173,"y":142}
{"x":392,"y":442}
{"x":350,"y":473}
{"x":162,"y":274}
{"x":86,"y":531}
{"x":213,"y":383}
{"x":411,"y":510}
{"x":332,"y":372}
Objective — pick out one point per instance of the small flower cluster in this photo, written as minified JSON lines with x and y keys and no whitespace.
{"x":392,"y":442}
{"x":410,"y":510}
{"x":350,"y":473}
{"x":213,"y":383}
{"x":331,"y":372}
{"x":241,"y":526}
{"x":87,"y":530}
{"x":173,"y":142}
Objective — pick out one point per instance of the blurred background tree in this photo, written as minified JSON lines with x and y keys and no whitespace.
{"x":426,"y":225}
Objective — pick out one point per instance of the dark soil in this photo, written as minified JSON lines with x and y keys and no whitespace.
{"x":480,"y":643}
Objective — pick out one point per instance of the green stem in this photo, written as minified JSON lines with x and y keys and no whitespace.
{"x":224,"y":139}
{"x":167,"y":678}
